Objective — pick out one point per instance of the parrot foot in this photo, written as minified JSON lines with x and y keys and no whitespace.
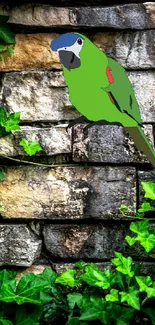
{"x":80,"y":119}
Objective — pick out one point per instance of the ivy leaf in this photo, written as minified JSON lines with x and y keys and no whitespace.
{"x":148,"y":242}
{"x":68,"y":278}
{"x":131,"y":240}
{"x":30,"y":148}
{"x":124,"y":208}
{"x":149,"y":189}
{"x":113,"y":296}
{"x":2,"y":175}
{"x":93,"y":314}
{"x":5,"y":322}
{"x":27,"y":315}
{"x":73,"y":299}
{"x":123,"y":264}
{"x":131,"y":297}
{"x":146,"y":238}
{"x":80,"y":264}
{"x":10,"y":51}
{"x":32,"y":289}
{"x":151,"y":313}
{"x":12,"y":122}
{"x":124,"y":315}
{"x":5,"y":32}
{"x":3,"y":116}
{"x":9,"y":122}
{"x":119,"y":280}
{"x":8,"y":285}
{"x":75,"y":321}
{"x":94,"y":277}
{"x":144,"y":282}
{"x":139,"y":227}
{"x":145,"y":207}
{"x":94,"y":309}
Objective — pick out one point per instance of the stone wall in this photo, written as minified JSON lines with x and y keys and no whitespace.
{"x":58,"y":215}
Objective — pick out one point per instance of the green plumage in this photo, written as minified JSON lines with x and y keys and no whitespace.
{"x":97,"y":99}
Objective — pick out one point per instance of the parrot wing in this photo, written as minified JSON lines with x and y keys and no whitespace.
{"x":121,"y":92}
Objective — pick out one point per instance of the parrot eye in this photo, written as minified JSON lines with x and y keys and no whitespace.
{"x":79,"y":41}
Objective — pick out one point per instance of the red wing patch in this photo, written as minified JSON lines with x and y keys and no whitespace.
{"x":109,"y":75}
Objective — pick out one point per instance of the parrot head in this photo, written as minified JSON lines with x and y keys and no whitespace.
{"x":69,"y":46}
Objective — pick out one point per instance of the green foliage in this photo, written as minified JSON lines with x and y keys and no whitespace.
{"x":30,"y":148}
{"x":149,"y":189}
{"x":124,"y":209}
{"x":145,"y":237}
{"x":123,"y":264}
{"x":8,"y":122}
{"x":7,"y":38}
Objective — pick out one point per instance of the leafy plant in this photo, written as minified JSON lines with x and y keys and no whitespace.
{"x":30,"y":148}
{"x":8,"y":122}
{"x":85,"y":294}
{"x":7,"y":38}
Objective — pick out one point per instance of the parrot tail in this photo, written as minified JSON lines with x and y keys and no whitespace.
{"x":142,"y":143}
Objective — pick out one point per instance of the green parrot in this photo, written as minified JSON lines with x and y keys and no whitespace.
{"x":99,"y":88}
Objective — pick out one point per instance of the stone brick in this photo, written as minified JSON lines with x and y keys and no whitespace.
{"x":67,"y":193}
{"x":18,"y":245}
{"x":32,"y":51}
{"x":143,"y":83}
{"x":128,"y":16}
{"x":37,"y":97}
{"x":42,"y":96}
{"x":35,"y":269}
{"x":89,"y":241}
{"x":134,"y":50}
{"x":107,"y":143}
{"x":54,"y":140}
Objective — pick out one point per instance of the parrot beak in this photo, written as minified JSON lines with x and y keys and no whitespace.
{"x":69,"y":59}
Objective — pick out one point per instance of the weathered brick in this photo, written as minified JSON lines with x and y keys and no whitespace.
{"x":42,"y":96}
{"x":107,"y":143}
{"x":67,"y":193}
{"x":134,"y":50}
{"x":89,"y":241}
{"x":134,"y":16}
{"x":37,"y":97}
{"x":54,"y":140}
{"x":35,"y":269}
{"x":32,"y":51}
{"x":143,"y":83}
{"x":18,"y":245}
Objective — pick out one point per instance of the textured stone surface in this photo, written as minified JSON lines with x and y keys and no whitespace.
{"x":37,"y":97}
{"x":107,"y":144}
{"x":69,"y":193}
{"x":42,"y":96}
{"x":134,"y":16}
{"x":36,"y":269}
{"x":54,"y":140}
{"x":32,"y":51}
{"x":18,"y":245}
{"x":88,"y":241}
{"x":143,"y":83}
{"x":134,"y":50}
